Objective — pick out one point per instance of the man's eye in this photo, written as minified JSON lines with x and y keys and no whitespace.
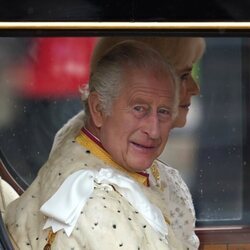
{"x":139,"y":108}
{"x":164,"y":112}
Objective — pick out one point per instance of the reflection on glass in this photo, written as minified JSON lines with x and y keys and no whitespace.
{"x":43,"y":80}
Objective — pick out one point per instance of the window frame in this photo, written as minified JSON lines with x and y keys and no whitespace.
{"x":208,"y":235}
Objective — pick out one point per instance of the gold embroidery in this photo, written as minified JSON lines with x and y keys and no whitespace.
{"x":155,"y":172}
{"x":50,"y":240}
{"x":166,"y":219}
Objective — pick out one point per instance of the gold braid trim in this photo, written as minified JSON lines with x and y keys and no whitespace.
{"x":50,"y":240}
{"x":156,"y":173}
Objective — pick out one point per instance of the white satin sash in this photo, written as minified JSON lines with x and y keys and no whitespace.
{"x":64,"y":207}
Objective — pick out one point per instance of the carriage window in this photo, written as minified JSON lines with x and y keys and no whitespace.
{"x":210,"y":147}
{"x":39,"y":93}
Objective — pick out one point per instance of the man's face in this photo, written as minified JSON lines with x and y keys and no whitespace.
{"x":137,"y":130}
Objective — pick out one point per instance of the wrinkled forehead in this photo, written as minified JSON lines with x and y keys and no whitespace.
{"x":148,"y":78}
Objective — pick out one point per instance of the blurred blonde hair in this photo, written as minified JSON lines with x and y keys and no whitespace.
{"x":178,"y":51}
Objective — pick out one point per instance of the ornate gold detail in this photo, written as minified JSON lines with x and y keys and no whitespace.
{"x":50,"y":240}
{"x":155,"y":172}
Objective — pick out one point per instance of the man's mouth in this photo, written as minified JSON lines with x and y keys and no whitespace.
{"x":143,"y":146}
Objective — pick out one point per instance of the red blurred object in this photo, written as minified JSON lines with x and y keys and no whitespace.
{"x":60,"y":66}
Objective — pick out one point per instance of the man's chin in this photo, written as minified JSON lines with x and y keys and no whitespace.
{"x":139,"y":166}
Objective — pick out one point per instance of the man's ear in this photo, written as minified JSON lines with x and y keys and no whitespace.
{"x":95,"y":109}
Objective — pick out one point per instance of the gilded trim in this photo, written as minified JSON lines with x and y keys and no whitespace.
{"x":126,"y":25}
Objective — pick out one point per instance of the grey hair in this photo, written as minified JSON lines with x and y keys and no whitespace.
{"x":106,"y":76}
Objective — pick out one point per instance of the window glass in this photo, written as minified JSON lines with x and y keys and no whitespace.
{"x":35,"y":102}
{"x":210,"y":145}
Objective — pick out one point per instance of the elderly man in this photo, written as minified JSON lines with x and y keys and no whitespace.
{"x":102,"y":186}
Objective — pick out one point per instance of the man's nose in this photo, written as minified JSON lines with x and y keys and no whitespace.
{"x":152,"y":126}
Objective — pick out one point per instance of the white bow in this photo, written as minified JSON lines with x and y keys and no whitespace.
{"x":64,"y":207}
